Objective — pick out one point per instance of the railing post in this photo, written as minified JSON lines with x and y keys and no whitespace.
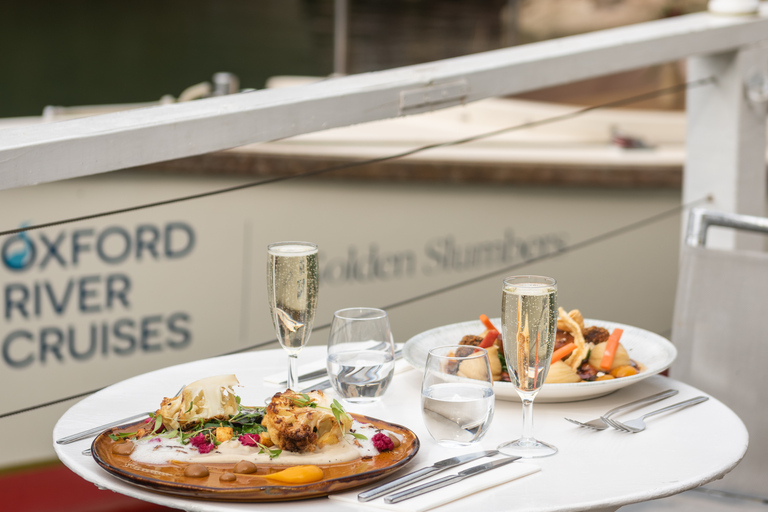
{"x":340,"y":36}
{"x":726,"y":139}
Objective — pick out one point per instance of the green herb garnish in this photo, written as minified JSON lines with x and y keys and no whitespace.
{"x":304,"y":400}
{"x":272,"y":452}
{"x":503,"y":362}
{"x":123,"y":435}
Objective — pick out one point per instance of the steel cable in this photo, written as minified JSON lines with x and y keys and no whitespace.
{"x":579,"y":245}
{"x":531,"y":124}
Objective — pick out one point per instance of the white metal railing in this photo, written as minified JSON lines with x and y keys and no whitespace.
{"x":726,"y":142}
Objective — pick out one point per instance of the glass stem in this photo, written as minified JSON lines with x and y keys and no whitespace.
{"x":293,"y":372}
{"x":527,"y":437}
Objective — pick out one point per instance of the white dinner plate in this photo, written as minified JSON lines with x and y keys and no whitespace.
{"x":655,"y":353}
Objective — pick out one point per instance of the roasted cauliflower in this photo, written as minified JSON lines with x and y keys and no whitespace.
{"x":303,"y":422}
{"x":204,"y":399}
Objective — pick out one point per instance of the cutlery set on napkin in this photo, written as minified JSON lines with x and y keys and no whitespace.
{"x":391,"y":496}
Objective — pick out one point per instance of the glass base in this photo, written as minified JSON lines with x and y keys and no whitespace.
{"x":528,"y":449}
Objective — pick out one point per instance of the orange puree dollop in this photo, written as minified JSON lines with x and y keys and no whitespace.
{"x":297,"y":475}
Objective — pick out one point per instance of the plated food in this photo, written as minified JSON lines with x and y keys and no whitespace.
{"x":653,"y":354}
{"x":581,"y":353}
{"x":203,"y":443}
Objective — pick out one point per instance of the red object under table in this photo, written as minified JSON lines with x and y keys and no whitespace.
{"x":54,"y":488}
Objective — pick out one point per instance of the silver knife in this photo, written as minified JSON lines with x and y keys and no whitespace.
{"x":448,"y":480}
{"x":422,"y":473}
{"x":324,"y":371}
{"x":308,"y":376}
{"x":325,"y":384}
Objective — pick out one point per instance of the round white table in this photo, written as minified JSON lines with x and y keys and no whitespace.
{"x":592,"y":471}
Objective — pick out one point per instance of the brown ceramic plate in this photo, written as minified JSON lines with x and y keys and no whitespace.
{"x":170,"y":479}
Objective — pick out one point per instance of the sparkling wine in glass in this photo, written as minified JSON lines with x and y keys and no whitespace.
{"x":529,"y":324}
{"x":292,"y":289}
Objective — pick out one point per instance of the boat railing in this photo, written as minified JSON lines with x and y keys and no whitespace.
{"x":726,"y":129}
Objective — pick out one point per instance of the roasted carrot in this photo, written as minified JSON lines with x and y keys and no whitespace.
{"x":490,"y":337}
{"x":487,"y":323}
{"x":562,"y":352}
{"x":610,"y":349}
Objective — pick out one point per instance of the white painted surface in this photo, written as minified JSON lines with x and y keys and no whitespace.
{"x":726,"y":140}
{"x":114,"y":141}
{"x":593,"y":470}
{"x":734,"y":7}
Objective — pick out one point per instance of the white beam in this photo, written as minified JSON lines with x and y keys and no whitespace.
{"x":726,"y":139}
{"x":82,"y":147}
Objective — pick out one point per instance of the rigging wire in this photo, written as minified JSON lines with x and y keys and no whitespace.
{"x":531,"y":124}
{"x":564,"y":250}
{"x":584,"y":243}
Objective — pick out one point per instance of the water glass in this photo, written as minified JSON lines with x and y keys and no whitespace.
{"x":457,"y":399}
{"x":361,"y":354}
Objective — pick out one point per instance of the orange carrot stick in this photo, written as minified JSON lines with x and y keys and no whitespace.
{"x":490,"y":338}
{"x":487,"y":322}
{"x":562,"y":352}
{"x":610,"y":349}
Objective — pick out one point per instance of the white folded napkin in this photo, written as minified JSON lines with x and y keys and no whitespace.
{"x":448,"y":494}
{"x":401,"y":365}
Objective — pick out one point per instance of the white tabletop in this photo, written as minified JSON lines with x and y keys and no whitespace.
{"x":592,"y":471}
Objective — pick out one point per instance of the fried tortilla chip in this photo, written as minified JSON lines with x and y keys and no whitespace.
{"x":572,"y":326}
{"x":574,"y":315}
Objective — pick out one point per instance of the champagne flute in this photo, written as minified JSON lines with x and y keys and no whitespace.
{"x":529,"y":324}
{"x":292,"y":290}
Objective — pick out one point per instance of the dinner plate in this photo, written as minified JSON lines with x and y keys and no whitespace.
{"x":655,"y":353}
{"x":170,"y":479}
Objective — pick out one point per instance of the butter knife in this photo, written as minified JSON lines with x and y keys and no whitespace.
{"x":308,"y":376}
{"x":325,"y":384}
{"x":423,"y":473}
{"x":324,"y":371}
{"x":448,"y":480}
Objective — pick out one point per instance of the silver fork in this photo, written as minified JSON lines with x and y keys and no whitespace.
{"x":97,"y":430}
{"x":600,"y":423}
{"x":638,"y":425}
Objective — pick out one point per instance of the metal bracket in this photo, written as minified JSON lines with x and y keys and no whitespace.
{"x":428,"y":98}
{"x":699,"y":220}
{"x":756,"y":86}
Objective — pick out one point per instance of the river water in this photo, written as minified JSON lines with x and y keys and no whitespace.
{"x":85,"y":52}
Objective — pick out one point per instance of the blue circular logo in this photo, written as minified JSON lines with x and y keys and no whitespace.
{"x":18,"y":252}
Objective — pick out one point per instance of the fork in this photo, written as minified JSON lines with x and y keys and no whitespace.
{"x":97,"y":430}
{"x":638,"y":425}
{"x":600,"y":423}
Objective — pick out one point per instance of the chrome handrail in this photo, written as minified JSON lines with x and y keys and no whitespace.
{"x":700,"y":219}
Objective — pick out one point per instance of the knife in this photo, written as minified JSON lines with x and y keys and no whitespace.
{"x":324,"y":371}
{"x":308,"y":376}
{"x":448,"y":480}
{"x":325,"y":384}
{"x":422,"y":473}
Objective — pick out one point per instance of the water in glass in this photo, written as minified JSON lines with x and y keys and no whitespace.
{"x":457,"y":399}
{"x":361,"y":354}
